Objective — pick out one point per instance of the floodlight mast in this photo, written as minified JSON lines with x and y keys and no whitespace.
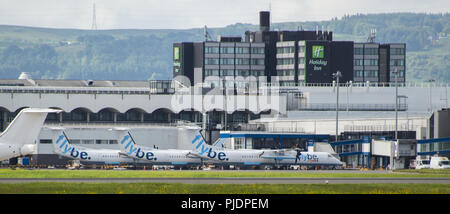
{"x":337,"y":75}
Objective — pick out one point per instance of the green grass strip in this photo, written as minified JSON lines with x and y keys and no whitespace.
{"x":176,"y":188}
{"x":44,"y":173}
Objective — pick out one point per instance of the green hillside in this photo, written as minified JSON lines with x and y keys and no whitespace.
{"x":145,"y":54}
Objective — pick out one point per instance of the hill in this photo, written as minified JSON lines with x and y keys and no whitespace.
{"x":147,"y":54}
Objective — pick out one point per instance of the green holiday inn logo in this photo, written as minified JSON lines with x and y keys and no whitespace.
{"x":317,"y":51}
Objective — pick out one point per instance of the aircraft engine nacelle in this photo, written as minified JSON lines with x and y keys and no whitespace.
{"x":27,"y":149}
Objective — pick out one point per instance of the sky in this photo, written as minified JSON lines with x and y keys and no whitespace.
{"x":185,"y":14}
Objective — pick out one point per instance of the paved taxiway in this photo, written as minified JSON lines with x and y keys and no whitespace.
{"x":233,"y":180}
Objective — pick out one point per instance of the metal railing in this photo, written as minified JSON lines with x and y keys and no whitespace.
{"x":352,"y":107}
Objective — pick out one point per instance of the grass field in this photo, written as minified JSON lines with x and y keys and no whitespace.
{"x":162,"y":188}
{"x":44,"y":173}
{"x":177,"y":188}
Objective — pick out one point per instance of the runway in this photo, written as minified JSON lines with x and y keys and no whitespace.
{"x":234,"y":180}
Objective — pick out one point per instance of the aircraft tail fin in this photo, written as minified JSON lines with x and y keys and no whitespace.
{"x":126,"y":142}
{"x":25,"y":128}
{"x":61,"y":144}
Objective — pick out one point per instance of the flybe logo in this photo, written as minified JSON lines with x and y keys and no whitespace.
{"x":66,"y":149}
{"x":317,"y":51}
{"x":131,"y":148}
{"x":206,"y":150}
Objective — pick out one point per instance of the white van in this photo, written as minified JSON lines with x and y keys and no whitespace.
{"x":439,"y":163}
{"x":422,"y":164}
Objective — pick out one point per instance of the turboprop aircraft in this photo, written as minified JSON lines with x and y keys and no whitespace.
{"x":219,"y":155}
{"x":160,"y":157}
{"x":63,"y":147}
{"x":19,"y":137}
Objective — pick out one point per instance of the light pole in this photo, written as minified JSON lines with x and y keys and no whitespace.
{"x":396,"y":103}
{"x":337,"y":75}
{"x":391,"y":161}
{"x":431,"y":102}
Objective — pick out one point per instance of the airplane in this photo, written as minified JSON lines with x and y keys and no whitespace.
{"x":63,"y":147}
{"x":220,"y":155}
{"x":158,"y":157}
{"x":19,"y":137}
{"x":202,"y":152}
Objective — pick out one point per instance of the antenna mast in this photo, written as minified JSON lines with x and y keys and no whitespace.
{"x":94,"y":20}
{"x":372,"y":35}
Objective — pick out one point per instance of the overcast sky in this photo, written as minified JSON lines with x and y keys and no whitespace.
{"x":183,"y":14}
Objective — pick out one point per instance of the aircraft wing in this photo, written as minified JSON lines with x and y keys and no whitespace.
{"x":277,"y":154}
{"x":194,"y":155}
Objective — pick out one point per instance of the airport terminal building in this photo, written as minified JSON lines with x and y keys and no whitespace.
{"x":92,"y":108}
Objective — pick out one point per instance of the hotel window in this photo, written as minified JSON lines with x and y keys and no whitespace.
{"x":358,"y":73}
{"x":283,"y":50}
{"x":211,"y":72}
{"x":257,"y":73}
{"x":227,"y":50}
{"x":257,"y":61}
{"x":227,"y":72}
{"x":358,"y":62}
{"x":211,"y":61}
{"x":243,"y":73}
{"x":358,"y":51}
{"x":301,"y":60}
{"x":371,"y":73}
{"x":288,"y":61}
{"x":257,"y":50}
{"x":286,"y":72}
{"x":397,"y":51}
{"x":242,"y":61}
{"x":301,"y":49}
{"x":301,"y":72}
{"x":370,"y":51}
{"x":397,"y":62}
{"x":242,"y":50}
{"x":211,"y":50}
{"x":227,"y":61}
{"x":371,"y":62}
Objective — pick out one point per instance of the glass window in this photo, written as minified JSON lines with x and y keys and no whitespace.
{"x":371,"y":73}
{"x":227,"y":50}
{"x":211,"y":72}
{"x":87,"y":141}
{"x":257,"y":50}
{"x":242,"y":61}
{"x":211,"y":61}
{"x":101,"y":141}
{"x":358,"y":62}
{"x":227,"y":61}
{"x":301,"y":72}
{"x":301,"y":60}
{"x":211,"y":50}
{"x":227,"y":72}
{"x":239,"y":143}
{"x":257,"y":61}
{"x":45,"y":141}
{"x":370,"y":51}
{"x":397,"y":51}
{"x":301,"y":49}
{"x":242,"y":50}
{"x":243,"y":73}
{"x":288,"y":61}
{"x":257,"y":73}
{"x":358,"y":51}
{"x":358,"y":73}
{"x":397,"y":62}
{"x":371,"y":62}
